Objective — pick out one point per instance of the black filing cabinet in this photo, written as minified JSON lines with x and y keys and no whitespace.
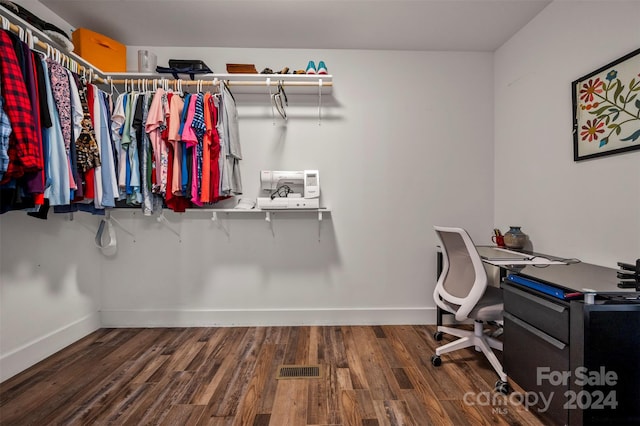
{"x":536,"y":341}
{"x":585,"y":357}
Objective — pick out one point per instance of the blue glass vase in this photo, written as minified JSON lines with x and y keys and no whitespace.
{"x":514,"y":238}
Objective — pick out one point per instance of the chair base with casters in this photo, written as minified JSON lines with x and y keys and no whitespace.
{"x":478,"y":339}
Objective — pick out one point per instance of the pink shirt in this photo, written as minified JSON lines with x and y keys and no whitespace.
{"x":175,"y":112}
{"x":188,"y":135}
{"x":158,"y":110}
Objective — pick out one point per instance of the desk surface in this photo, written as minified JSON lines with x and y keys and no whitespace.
{"x":581,"y":277}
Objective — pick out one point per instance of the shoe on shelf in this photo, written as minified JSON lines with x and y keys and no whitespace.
{"x":322,"y":68}
{"x":284,"y":70}
{"x":311,"y":67}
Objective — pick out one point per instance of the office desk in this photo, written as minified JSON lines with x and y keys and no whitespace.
{"x":559,"y":348}
{"x":585,"y":357}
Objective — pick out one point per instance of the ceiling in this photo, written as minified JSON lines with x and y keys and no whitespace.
{"x":441,"y":25}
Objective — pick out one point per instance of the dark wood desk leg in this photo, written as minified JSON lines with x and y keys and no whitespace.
{"x":438,"y":272}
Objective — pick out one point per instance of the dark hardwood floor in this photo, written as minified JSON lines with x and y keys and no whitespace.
{"x":227,"y":376}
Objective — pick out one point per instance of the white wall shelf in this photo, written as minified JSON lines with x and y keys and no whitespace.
{"x":269,"y":215}
{"x":241,"y":83}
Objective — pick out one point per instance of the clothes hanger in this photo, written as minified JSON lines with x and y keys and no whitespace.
{"x":29,"y":39}
{"x":226,"y":86}
{"x":281,"y":101}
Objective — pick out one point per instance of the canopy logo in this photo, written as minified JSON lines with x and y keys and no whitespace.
{"x":598,"y":395}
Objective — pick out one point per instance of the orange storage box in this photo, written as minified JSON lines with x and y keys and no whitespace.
{"x":106,"y":54}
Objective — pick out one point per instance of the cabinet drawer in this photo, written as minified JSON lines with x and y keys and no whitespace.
{"x":550,"y":317}
{"x":526,"y":350}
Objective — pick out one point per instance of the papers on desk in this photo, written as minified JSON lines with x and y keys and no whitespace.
{"x":498,"y":256}
{"x":531,"y":261}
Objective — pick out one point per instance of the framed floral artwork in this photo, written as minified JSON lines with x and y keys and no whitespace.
{"x":606,"y":109}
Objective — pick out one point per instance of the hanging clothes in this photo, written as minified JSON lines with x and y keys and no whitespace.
{"x":24,"y":155}
{"x":5,"y":132}
{"x":58,"y":185}
{"x":175,"y":113}
{"x":155,"y":125}
{"x":77,"y":115}
{"x":233,"y":152}
{"x":67,"y":144}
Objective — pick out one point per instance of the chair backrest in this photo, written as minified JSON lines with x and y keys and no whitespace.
{"x":463,"y":280}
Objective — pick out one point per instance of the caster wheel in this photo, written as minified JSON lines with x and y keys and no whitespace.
{"x":502,"y":387}
{"x":436,"y":361}
{"x":437,"y":335}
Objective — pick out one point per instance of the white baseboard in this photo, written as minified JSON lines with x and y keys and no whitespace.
{"x":38,"y":349}
{"x":266,"y":317}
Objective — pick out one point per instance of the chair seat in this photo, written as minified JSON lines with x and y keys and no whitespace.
{"x":488,"y":308}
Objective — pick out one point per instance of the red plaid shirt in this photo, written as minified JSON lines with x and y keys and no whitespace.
{"x":24,"y":151}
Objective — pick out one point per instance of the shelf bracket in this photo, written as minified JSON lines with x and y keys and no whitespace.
{"x":108,"y":217}
{"x":319,"y":225}
{"x":267,"y":217}
{"x":165,"y":222}
{"x":214,"y":218}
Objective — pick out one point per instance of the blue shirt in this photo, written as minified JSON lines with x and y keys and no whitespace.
{"x":5,"y":131}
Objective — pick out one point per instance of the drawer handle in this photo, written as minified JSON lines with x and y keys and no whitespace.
{"x":535,"y":299}
{"x":555,"y":342}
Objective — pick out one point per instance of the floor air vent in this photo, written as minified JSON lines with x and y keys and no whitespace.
{"x":298,"y":372}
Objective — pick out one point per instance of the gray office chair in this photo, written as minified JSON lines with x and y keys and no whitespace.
{"x":462,"y":290}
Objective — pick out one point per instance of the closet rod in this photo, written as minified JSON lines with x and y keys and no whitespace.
{"x":46,"y":47}
{"x":273,"y":82}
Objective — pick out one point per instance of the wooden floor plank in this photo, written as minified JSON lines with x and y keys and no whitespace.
{"x":247,"y":409}
{"x":351,"y":413}
{"x":290,"y":403}
{"x":380,"y":375}
{"x":225,"y":399}
{"x":269,"y":391}
{"x":334,"y":346}
{"x":352,"y":355}
{"x":426,"y":396}
{"x":221,"y":360}
{"x":379,"y":386}
{"x":183,"y":414}
{"x":318,"y":402}
{"x":394,"y":413}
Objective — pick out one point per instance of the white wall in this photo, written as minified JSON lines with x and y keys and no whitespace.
{"x":588,"y":209}
{"x":49,"y":286}
{"x":405,"y":142}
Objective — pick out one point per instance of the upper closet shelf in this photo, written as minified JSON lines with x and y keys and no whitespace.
{"x":46,"y":44}
{"x":241,"y":83}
